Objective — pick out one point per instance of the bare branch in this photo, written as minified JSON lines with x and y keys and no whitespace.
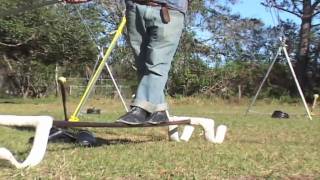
{"x":277,"y":6}
{"x":315,"y":6}
{"x":316,"y":13}
{"x":19,"y":44}
{"x":10,"y":45}
{"x":295,"y":7}
{"x":7,"y":63}
{"x":288,"y":11}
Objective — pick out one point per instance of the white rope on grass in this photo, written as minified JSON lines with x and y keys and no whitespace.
{"x":42,"y":124}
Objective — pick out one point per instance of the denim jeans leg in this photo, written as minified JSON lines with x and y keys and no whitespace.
{"x":137,"y":33}
{"x":158,"y":45}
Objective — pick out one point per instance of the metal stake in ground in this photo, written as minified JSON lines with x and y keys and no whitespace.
{"x":315,"y":98}
{"x":62,"y":81}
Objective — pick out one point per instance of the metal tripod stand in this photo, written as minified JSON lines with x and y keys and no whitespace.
{"x":284,"y":49}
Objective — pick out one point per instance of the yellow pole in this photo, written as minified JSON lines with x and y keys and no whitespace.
{"x":74,"y":117}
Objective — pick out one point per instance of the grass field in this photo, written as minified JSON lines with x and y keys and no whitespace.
{"x":256,"y":146}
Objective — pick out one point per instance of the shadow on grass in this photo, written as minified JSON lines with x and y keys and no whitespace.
{"x":68,"y":142}
{"x":101,"y":142}
{"x":4,"y":165}
{"x":117,"y":141}
{"x":251,"y":141}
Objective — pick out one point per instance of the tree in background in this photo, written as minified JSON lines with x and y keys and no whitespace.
{"x":32,"y":43}
{"x":307,"y":11}
{"x":218,"y":51}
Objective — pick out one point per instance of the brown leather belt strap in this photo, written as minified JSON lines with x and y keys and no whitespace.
{"x":148,"y":3}
{"x":165,"y":16}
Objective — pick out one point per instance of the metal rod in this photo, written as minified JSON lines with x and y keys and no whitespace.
{"x":65,"y":124}
{"x":296,"y":81}
{"x":116,"y":86}
{"x":95,"y":77}
{"x":95,"y":41}
{"x":263,"y":81}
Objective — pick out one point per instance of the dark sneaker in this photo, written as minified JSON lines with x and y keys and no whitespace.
{"x":158,"y":117}
{"x":135,"y":116}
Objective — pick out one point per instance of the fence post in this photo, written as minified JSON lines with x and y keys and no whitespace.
{"x":239,"y":93}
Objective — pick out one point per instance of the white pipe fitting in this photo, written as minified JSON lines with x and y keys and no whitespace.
{"x":174,"y":133}
{"x":42,"y":124}
{"x":187,"y":133}
{"x":206,"y":124}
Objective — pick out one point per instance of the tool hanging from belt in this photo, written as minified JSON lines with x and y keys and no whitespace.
{"x":164,"y":11}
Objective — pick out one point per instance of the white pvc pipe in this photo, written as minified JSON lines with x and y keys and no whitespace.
{"x":315,"y":98}
{"x":206,"y":124}
{"x":173,"y":131}
{"x":187,"y":133}
{"x":42,"y":124}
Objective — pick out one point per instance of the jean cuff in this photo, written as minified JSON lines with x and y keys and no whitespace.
{"x":149,"y":106}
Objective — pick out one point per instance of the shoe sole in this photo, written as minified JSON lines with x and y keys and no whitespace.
{"x":130,"y":123}
{"x":155,"y":123}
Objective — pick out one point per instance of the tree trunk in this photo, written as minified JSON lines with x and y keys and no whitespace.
{"x":303,"y":54}
{"x":317,"y":55}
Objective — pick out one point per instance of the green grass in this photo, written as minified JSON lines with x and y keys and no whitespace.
{"x":256,"y":146}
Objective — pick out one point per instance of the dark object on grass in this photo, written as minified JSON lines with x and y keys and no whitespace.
{"x":86,"y":138}
{"x":81,"y":137}
{"x":58,"y":134}
{"x":93,"y":111}
{"x":279,"y":114}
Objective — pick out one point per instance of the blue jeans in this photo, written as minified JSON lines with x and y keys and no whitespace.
{"x":154,"y":45}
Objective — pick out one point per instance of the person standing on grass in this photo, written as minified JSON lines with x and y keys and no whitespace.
{"x":154,"y":30}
